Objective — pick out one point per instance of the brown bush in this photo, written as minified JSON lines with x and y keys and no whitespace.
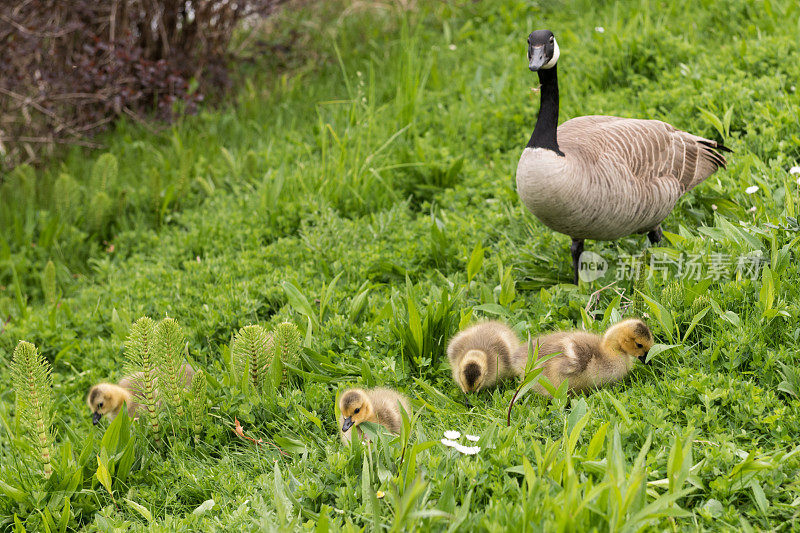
{"x":70,"y":67}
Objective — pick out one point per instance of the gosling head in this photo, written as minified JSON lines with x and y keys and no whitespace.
{"x":472,"y":371}
{"x":355,"y":408}
{"x":631,"y":338}
{"x":106,"y":399}
{"x":542,"y":50}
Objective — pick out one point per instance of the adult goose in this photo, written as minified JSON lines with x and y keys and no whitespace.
{"x":602,"y":177}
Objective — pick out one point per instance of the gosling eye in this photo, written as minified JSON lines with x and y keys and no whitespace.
{"x":639,"y":345}
{"x":552,"y":39}
{"x":356,"y":411}
{"x":100,"y":405}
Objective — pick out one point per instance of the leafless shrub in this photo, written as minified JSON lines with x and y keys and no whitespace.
{"x":70,"y":67}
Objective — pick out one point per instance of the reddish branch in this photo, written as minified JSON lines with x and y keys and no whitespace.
{"x":70,"y":66}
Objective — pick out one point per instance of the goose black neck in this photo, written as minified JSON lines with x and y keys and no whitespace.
{"x":544,"y":134}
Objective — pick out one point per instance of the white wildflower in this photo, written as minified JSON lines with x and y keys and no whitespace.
{"x":599,"y":29}
{"x":752,"y":209}
{"x":452,"y":47}
{"x":473,"y":438}
{"x":448,"y":442}
{"x":452,"y":435}
{"x":467,"y":450}
{"x":751,"y":189}
{"x":794,"y":170}
{"x":713,"y":207}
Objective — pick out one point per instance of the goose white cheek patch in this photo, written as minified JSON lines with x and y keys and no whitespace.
{"x":554,"y":60}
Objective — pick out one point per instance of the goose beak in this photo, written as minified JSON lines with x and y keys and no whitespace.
{"x":96,"y":418}
{"x":348,"y":423}
{"x":536,"y":58}
{"x":643,"y":359}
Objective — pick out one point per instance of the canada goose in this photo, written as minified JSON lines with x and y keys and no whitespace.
{"x":379,"y":405}
{"x":602,"y":177}
{"x":589,"y":360}
{"x":482,"y":354}
{"x":107,"y":398}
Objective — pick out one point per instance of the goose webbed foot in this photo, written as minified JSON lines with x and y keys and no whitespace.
{"x":577,"y":250}
{"x":655,"y":235}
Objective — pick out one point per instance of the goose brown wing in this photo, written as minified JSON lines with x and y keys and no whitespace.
{"x":650,"y":150}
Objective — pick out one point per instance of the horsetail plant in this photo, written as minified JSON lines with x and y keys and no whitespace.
{"x":169,"y":345}
{"x":197,"y":403}
{"x":287,"y":343}
{"x":33,"y":381}
{"x":140,"y":357}
{"x":252,"y":354}
{"x":49,"y":283}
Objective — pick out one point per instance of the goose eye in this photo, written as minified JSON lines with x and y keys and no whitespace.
{"x":552,"y":39}
{"x":639,"y":345}
{"x":100,"y":405}
{"x":357,"y":410}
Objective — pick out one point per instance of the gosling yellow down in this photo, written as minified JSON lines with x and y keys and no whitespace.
{"x":588,"y":360}
{"x":379,"y":405}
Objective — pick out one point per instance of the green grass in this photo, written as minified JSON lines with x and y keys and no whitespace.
{"x":355,"y":195}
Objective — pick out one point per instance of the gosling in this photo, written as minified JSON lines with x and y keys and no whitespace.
{"x":380,"y":405}
{"x":588,"y":360}
{"x":106,"y":399}
{"x":483,"y":354}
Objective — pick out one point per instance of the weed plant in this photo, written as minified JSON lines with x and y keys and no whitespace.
{"x":367,"y":195}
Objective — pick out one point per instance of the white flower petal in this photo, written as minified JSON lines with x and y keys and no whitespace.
{"x":452,"y":47}
{"x":713,"y":207}
{"x":453,"y":435}
{"x":751,"y":189}
{"x":451,"y":443}
{"x":599,"y":29}
{"x":794,"y":170}
{"x":467,"y":450}
{"x":473,"y":438}
{"x":752,"y":209}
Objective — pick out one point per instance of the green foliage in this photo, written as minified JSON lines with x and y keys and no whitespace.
{"x":141,"y":358}
{"x":168,"y":347}
{"x":49,"y":283}
{"x":252,"y":352}
{"x":32,"y":378}
{"x":287,"y":345}
{"x":425,"y":327}
{"x":197,"y":403}
{"x":312,"y":199}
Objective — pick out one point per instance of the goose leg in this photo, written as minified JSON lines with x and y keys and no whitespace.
{"x":655,"y":235}
{"x":577,"y":250}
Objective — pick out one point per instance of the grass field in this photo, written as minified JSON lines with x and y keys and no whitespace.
{"x":364,"y":190}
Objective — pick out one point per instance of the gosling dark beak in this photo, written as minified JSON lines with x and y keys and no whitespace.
{"x":643,"y":359}
{"x":536,"y":58}
{"x":348,"y":423}
{"x":96,"y":418}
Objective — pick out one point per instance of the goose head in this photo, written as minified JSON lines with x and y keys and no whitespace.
{"x":630,"y":338}
{"x":355,"y":407}
{"x":106,"y":399}
{"x":472,"y":371}
{"x":542,"y":50}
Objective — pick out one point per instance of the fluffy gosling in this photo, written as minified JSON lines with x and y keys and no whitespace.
{"x":381,"y":406}
{"x":588,"y":360}
{"x":106,"y":399}
{"x":483,"y":354}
